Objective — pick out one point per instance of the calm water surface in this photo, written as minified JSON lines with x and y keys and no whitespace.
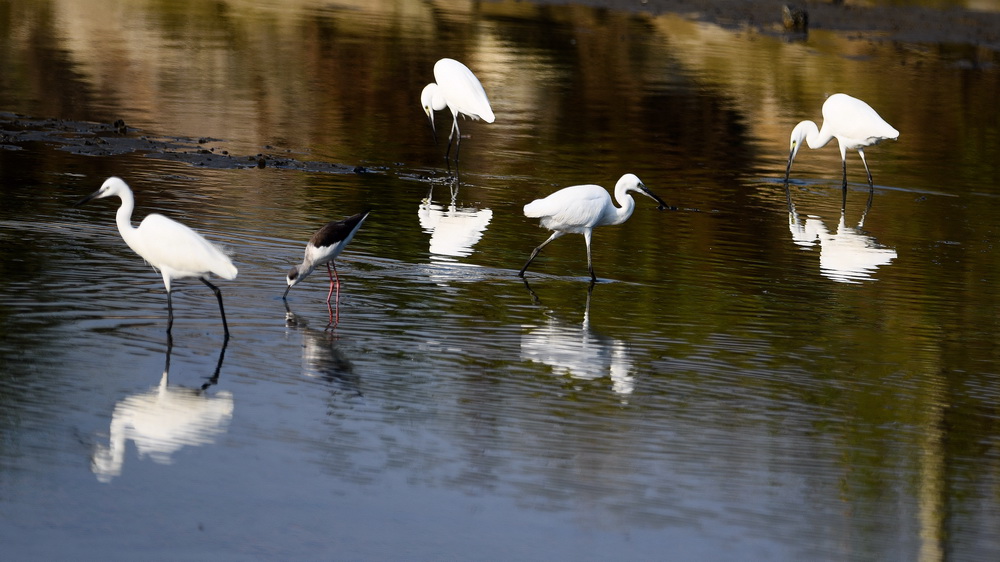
{"x":743,"y":382}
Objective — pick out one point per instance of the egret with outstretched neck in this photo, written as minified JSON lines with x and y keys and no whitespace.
{"x":457,"y":89}
{"x":855,"y":125}
{"x":169,"y":246}
{"x":582,"y":208}
{"x":322,"y":249}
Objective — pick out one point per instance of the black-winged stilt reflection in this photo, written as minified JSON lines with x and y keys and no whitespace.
{"x":163,"y":420}
{"x":575,"y":350}
{"x":322,"y":249}
{"x":169,"y":246}
{"x":322,"y":358}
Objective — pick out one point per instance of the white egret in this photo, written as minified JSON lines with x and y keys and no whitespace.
{"x":581,"y":208}
{"x":458,"y":89}
{"x":323,"y":248}
{"x":854,"y":123}
{"x":167,"y":245}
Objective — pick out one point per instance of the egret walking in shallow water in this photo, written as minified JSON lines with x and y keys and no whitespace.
{"x":167,"y":245}
{"x":323,"y":248}
{"x":854,"y":123}
{"x":458,"y":89}
{"x":581,"y":208}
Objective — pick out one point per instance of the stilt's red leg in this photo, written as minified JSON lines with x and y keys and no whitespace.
{"x":332,"y":284}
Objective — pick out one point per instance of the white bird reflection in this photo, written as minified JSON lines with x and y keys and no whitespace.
{"x":578,"y":351}
{"x":847,"y":256}
{"x":454,"y":230}
{"x":162,"y":421}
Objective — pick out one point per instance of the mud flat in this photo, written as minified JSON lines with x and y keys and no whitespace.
{"x":108,"y":139}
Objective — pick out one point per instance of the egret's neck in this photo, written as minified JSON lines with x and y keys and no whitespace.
{"x":817,"y":138}
{"x":124,"y":218}
{"x":621,"y":214}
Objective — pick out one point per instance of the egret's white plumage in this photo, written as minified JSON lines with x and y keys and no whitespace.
{"x":855,"y":125}
{"x":581,"y":208}
{"x":322,"y":249}
{"x":167,"y":245}
{"x":457,"y":89}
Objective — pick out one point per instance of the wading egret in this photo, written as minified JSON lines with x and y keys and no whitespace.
{"x":581,"y":208}
{"x":854,"y":123}
{"x":323,"y":248}
{"x":458,"y":89}
{"x":167,"y":245}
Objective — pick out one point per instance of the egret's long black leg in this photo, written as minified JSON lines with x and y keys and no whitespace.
{"x":871,"y":184}
{"x":843,"y":201}
{"x":451,"y":139}
{"x":458,"y":141}
{"x":170,"y":313}
{"x":222,"y":310}
{"x":590,"y":264}
{"x":555,"y":235}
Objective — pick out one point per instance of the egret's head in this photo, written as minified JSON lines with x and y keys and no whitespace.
{"x":798,"y":136}
{"x":631,"y":182}
{"x":111,"y":186}
{"x":432,"y":99}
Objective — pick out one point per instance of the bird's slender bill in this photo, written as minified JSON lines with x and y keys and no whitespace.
{"x":87,"y":198}
{"x":285,"y":296}
{"x":434,"y":134}
{"x":788,"y":168}
{"x":662,"y":204}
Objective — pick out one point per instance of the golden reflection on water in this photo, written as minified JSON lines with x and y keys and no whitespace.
{"x":306,"y":75}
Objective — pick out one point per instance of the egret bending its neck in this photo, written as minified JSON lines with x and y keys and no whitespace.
{"x":123,"y":218}
{"x":809,"y":132}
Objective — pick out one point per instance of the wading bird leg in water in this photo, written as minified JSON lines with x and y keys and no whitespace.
{"x":332,"y":282}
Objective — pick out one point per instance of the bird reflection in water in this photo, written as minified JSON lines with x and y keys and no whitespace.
{"x":846,"y":256}
{"x":454,"y":230}
{"x":163,"y":420}
{"x":321,"y":357}
{"x":576,"y":350}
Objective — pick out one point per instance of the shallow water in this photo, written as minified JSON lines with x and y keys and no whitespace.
{"x":742,"y":383}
